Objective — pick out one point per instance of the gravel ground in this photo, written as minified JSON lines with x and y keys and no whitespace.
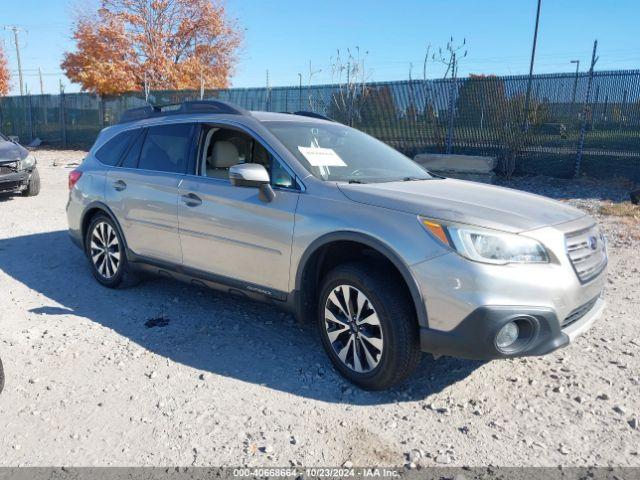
{"x":231,"y":382}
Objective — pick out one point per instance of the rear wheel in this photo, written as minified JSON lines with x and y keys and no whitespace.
{"x":33,"y":187}
{"x":106,"y":253}
{"x":367,"y":326}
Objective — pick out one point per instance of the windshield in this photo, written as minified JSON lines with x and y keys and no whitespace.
{"x":339,"y":153}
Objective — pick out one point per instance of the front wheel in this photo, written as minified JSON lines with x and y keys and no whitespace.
{"x":33,"y":187}
{"x":368,"y":326}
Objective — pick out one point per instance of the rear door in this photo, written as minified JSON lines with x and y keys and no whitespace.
{"x":143,"y":191}
{"x":227,"y":231}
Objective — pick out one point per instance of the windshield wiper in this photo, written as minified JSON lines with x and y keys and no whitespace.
{"x":355,"y":180}
{"x":411,"y":179}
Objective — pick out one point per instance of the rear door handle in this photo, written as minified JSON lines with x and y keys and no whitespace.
{"x":119,"y":185}
{"x":191,"y":200}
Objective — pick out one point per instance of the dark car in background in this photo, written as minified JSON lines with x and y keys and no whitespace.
{"x":18,"y":170}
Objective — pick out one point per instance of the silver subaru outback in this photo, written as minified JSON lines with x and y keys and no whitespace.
{"x":338,"y":228}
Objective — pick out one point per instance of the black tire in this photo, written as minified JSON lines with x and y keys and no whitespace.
{"x":124,"y":276}
{"x":33,"y":187}
{"x":400,"y":353}
{"x":1,"y":376}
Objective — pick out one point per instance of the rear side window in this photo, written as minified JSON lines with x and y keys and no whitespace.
{"x":111,"y":152}
{"x":130,"y":159}
{"x":166,"y":148}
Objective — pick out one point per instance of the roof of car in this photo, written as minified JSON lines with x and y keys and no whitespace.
{"x":214,"y":107}
{"x":262,"y":116}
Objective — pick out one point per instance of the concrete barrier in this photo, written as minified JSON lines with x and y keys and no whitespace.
{"x":465,"y":167}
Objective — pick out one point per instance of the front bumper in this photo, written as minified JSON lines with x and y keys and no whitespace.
{"x":467,"y":303}
{"x":474,"y":337}
{"x":11,"y":182}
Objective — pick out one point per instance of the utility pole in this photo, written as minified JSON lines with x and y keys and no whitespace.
{"x":41,"y":83}
{"x":575,"y":81}
{"x":533,"y":56}
{"x":585,"y":110}
{"x":15,"y":31}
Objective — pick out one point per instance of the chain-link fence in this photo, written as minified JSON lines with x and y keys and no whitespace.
{"x":530,"y":128}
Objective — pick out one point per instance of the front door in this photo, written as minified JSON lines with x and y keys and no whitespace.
{"x":228,"y":231}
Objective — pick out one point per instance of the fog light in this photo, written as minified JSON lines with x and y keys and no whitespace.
{"x":507,"y":335}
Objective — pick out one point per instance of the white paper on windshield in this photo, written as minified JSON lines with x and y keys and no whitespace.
{"x":322,"y":157}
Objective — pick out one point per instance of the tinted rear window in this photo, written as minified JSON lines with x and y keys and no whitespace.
{"x":131,"y":157}
{"x":166,"y":148}
{"x":111,"y":152}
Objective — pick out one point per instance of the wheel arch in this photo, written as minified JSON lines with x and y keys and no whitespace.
{"x":91,"y":211}
{"x":304,"y":303}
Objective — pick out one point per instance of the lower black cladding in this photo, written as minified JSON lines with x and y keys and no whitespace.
{"x":474,"y":337}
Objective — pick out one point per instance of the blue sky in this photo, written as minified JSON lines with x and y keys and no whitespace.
{"x":284,"y":35}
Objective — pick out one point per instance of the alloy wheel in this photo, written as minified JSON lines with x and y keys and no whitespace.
{"x":353,"y":328}
{"x":105,"y":250}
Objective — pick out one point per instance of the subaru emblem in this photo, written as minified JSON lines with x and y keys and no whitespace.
{"x":593,"y":242}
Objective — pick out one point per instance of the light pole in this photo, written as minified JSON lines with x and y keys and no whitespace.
{"x":575,"y":82}
{"x":533,"y":56}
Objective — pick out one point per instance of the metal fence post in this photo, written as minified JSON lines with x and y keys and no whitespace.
{"x":63,"y":121}
{"x":450,"y":127}
{"x":101,"y":111}
{"x":585,"y":111}
{"x":30,"y":117}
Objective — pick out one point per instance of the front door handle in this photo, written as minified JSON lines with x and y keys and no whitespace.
{"x":191,"y":200}
{"x":119,"y":185}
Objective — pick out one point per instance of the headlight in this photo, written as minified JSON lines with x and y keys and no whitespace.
{"x":27,"y":163}
{"x":487,"y":246}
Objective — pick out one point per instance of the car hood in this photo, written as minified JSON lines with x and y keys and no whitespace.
{"x":465,"y":202}
{"x":10,"y":152}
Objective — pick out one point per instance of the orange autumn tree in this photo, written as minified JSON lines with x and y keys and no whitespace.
{"x":171,"y":43}
{"x":4,"y":73}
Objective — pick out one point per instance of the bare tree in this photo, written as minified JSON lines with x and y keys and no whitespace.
{"x":451,"y":56}
{"x":314,"y":104}
{"x":349,"y":74}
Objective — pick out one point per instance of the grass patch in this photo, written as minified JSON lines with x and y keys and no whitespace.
{"x":621,"y":209}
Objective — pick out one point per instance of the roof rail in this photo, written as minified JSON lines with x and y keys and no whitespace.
{"x":197,"y":106}
{"x":304,"y":113}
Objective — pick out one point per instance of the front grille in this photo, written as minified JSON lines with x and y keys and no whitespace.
{"x":587,"y":251}
{"x":9,"y":186}
{"x":8,"y":168}
{"x":578,"y":313}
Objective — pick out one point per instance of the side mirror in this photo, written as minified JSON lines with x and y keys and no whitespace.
{"x":252,"y":175}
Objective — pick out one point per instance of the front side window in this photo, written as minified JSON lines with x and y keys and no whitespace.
{"x":111,"y":152}
{"x":338,"y":153}
{"x":166,"y":148}
{"x":224,"y":147}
